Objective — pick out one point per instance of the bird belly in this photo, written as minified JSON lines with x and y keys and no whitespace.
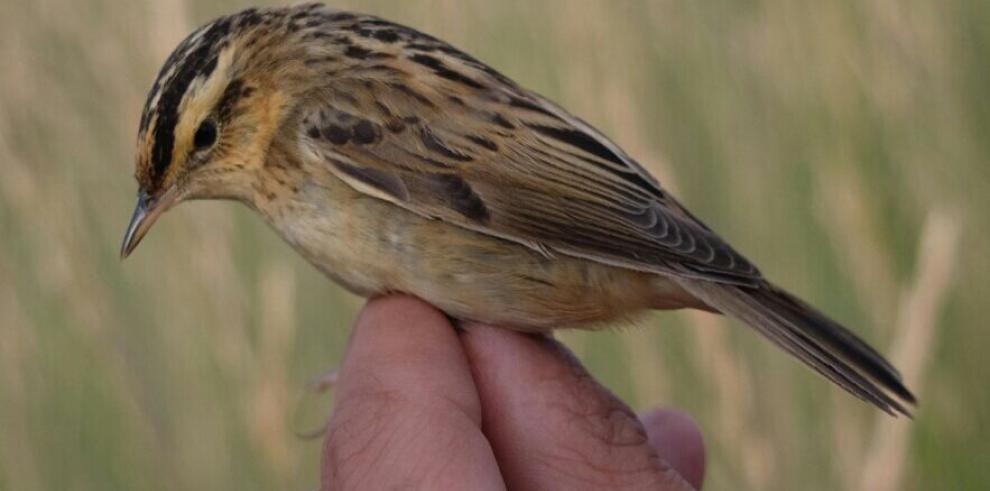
{"x":371,"y":246}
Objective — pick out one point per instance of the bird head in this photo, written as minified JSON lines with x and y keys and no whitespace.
{"x":211,"y":116}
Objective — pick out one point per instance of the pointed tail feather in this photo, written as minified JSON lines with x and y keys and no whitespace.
{"x":809,"y":335}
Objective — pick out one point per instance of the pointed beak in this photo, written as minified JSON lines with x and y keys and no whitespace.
{"x":146,"y":212}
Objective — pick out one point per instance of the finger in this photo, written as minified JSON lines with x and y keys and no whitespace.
{"x":677,"y":439}
{"x":551,"y":425}
{"x":407,"y":413}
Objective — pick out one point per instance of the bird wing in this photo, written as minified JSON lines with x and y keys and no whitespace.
{"x":449,"y":138}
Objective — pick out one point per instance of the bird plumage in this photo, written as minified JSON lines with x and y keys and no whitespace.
{"x":395,"y":162}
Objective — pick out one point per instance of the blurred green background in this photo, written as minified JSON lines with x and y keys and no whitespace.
{"x":842,"y":145}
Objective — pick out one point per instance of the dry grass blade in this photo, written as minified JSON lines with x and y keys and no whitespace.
{"x":916,"y":338}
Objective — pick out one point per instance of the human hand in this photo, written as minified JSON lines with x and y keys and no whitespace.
{"x":420,"y":405}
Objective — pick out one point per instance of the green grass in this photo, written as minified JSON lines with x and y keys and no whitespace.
{"x":843,"y":146}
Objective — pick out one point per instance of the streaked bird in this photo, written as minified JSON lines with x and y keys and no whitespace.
{"x":395,"y":162}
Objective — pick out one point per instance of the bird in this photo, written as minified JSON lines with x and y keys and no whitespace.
{"x":395,"y":162}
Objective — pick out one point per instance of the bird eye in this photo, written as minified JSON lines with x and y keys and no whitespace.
{"x":206,"y":135}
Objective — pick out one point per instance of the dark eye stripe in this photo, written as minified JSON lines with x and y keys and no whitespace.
{"x":232,"y":95}
{"x":200,"y":61}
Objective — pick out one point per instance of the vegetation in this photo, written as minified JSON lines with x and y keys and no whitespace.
{"x":843,"y":146}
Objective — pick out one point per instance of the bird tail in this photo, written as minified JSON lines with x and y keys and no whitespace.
{"x":809,"y":335}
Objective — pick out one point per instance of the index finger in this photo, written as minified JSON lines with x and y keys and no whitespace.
{"x":407,"y":413}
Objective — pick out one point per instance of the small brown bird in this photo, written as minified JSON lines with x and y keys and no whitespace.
{"x":396,"y":163}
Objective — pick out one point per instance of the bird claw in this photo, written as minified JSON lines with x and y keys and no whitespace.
{"x":324,"y":382}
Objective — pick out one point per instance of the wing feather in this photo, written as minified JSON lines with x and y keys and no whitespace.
{"x":497,"y":159}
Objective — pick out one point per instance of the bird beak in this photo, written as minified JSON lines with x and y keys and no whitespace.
{"x":146,"y":212}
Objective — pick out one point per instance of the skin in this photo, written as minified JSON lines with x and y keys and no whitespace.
{"x":437,"y":407}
